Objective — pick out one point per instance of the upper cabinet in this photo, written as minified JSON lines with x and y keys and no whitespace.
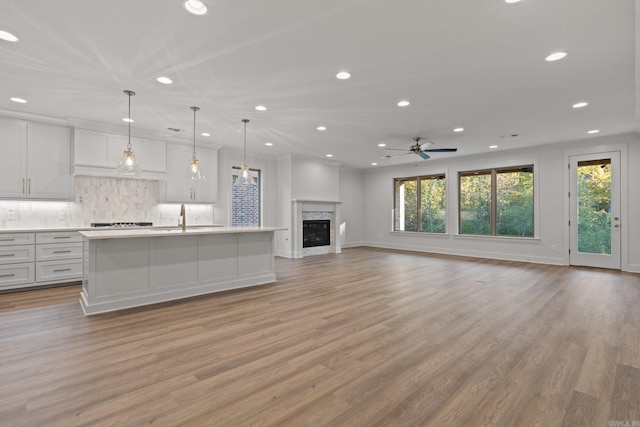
{"x":182,"y":190}
{"x":35,"y":161}
{"x":98,"y":153}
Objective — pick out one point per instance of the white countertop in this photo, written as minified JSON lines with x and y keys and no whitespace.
{"x":87,"y":228}
{"x":121,"y":233}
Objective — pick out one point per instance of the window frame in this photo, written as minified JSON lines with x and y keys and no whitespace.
{"x":418,"y":179}
{"x":493,"y":172}
{"x":260,"y":190}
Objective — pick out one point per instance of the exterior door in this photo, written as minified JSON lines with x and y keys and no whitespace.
{"x":594,"y":205}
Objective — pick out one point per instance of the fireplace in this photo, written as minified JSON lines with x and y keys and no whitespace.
{"x":316,"y":233}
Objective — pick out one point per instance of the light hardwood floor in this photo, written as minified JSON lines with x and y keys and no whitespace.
{"x":364,"y":338}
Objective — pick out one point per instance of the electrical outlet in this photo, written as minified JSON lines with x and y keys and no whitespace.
{"x":11,"y":215}
{"x":62,"y":215}
{"x":553,"y":248}
{"x":196,"y":214}
{"x":163,"y":215}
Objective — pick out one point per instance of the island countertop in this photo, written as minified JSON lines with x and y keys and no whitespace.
{"x":172,"y":232}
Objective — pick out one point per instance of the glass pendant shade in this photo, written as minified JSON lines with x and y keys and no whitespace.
{"x":128,"y":165}
{"x":193,"y":172}
{"x":245,"y":177}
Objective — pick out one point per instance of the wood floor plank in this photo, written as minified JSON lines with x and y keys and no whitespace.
{"x":368,"y":337}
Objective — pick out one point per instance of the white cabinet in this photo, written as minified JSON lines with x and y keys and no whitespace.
{"x":35,"y":160}
{"x":98,"y":153}
{"x":28,"y":259}
{"x":182,"y":190}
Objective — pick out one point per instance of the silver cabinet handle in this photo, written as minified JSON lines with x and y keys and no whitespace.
{"x":8,"y":240}
{"x":23,"y":185}
{"x":7,"y":275}
{"x":29,"y":186}
{"x":62,"y":252}
{"x":61,"y":269}
{"x":7,"y":255}
{"x":61,"y":237}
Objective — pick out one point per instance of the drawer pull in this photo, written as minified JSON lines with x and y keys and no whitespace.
{"x":61,"y":270}
{"x":8,"y":240}
{"x":7,"y":255}
{"x":61,"y":252}
{"x":7,"y":275}
{"x":61,"y":237}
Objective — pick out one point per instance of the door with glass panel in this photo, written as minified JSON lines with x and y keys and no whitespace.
{"x":594,"y":205}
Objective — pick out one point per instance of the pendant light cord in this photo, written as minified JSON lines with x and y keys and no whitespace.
{"x":194,"y":130}
{"x":245,"y":121}
{"x":129,"y":93}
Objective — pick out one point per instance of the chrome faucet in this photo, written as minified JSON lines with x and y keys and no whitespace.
{"x":182,"y":222}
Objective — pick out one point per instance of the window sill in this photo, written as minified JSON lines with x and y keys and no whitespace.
{"x":418,"y":233}
{"x":503,"y":238}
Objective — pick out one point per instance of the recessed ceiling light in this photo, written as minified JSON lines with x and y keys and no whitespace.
{"x":382,"y":144}
{"x":205,"y":134}
{"x":374,"y":164}
{"x":268,"y":144}
{"x":511,"y":1}
{"x":458,"y":129}
{"x":403,"y":103}
{"x":580,"y":104}
{"x":261,"y":108}
{"x":555,"y":56}
{"x":164,"y":80}
{"x":6,"y":36}
{"x":493,"y":146}
{"x":343,"y":75}
{"x":19,"y":100}
{"x":128,"y":120}
{"x":321,"y":128}
{"x":329,"y":155}
{"x":594,"y":131}
{"x":196,"y":7}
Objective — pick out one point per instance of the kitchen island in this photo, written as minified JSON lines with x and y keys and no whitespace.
{"x":127,"y":268}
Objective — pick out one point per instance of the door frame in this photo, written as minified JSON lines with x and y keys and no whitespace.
{"x":624,"y":201}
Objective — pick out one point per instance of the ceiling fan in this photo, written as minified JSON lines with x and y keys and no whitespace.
{"x":420,"y":149}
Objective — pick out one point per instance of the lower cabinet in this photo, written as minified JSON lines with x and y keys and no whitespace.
{"x":35,"y":259}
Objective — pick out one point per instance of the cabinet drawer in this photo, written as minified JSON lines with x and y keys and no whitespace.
{"x":16,"y":254}
{"x":58,"y":237}
{"x":58,"y":271}
{"x":55,"y":251}
{"x":16,"y":274}
{"x":16,"y":239}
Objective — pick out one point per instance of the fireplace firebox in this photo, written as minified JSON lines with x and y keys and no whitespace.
{"x":316,"y":233}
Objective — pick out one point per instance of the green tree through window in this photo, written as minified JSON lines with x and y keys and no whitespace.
{"x":497,"y":202}
{"x":420,"y":204}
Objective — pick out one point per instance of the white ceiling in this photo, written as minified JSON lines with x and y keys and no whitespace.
{"x":477,"y":64}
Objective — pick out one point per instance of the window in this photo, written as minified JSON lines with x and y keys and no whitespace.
{"x":497,"y":202}
{"x":420,"y":204}
{"x":245,"y":200}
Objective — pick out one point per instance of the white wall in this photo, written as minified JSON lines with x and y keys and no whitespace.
{"x":549,"y":245}
{"x":352,"y":207}
{"x":314,"y":179}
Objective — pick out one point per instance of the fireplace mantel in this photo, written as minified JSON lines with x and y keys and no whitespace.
{"x":299,"y":207}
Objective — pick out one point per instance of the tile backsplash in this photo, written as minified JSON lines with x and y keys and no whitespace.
{"x":99,"y":199}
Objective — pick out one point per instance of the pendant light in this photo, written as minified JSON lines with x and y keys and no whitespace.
{"x":128,"y":165}
{"x":245,"y":177}
{"x":194,"y":172}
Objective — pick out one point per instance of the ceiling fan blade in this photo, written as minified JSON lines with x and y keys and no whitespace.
{"x":396,"y":149}
{"x":424,"y":155}
{"x":441,"y":150}
{"x":393,"y":157}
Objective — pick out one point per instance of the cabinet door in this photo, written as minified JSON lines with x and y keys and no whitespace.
{"x":48,"y":161}
{"x":13,"y":157}
{"x":90,"y":149}
{"x":179,"y":188}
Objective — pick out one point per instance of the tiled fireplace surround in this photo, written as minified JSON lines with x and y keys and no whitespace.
{"x":309,"y":210}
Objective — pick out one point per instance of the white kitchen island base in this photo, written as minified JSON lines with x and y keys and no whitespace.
{"x":131,"y":268}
